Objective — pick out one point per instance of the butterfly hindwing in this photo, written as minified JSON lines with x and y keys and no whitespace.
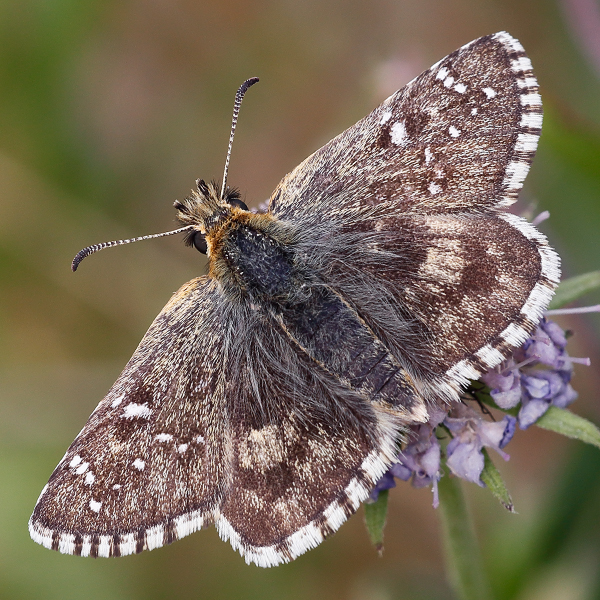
{"x":449,"y":295}
{"x":305,"y":450}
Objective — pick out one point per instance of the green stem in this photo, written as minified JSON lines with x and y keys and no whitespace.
{"x":463,"y":558}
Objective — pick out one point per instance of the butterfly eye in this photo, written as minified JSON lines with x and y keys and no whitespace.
{"x":238,"y":203}
{"x":197,"y":240}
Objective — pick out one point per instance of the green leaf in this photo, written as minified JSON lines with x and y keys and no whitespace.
{"x":574,"y":287}
{"x":375,"y":514}
{"x":565,"y":422}
{"x":494,"y":482}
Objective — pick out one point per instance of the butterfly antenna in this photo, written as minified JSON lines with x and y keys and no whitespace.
{"x":236,"y":111}
{"x":97,"y":247}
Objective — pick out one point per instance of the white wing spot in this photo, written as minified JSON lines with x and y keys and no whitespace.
{"x":532,"y":120}
{"x":515,"y":174}
{"x":526,"y":142}
{"x":95,"y":506}
{"x":442,"y":73}
{"x":139,"y":464}
{"x":489,"y":92}
{"x":521,"y":64}
{"x":453,"y":131}
{"x":117,"y":486}
{"x":82,"y":468}
{"x":461,"y":88}
{"x":75,"y":460}
{"x":385,"y":117}
{"x":133,"y":410}
{"x":473,"y":111}
{"x":89,"y":478}
{"x":199,"y":439}
{"x":448,"y":81}
{"x":163,"y":437}
{"x":398,"y":133}
{"x":428,"y":156}
{"x":434,"y":188}
{"x":117,"y":401}
{"x":182,"y":448}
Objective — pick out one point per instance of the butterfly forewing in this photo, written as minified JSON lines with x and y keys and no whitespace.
{"x":409,"y":202}
{"x":458,"y":138}
{"x":148,"y":466}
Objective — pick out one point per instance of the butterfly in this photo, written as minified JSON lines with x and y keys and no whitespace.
{"x":270,"y":395}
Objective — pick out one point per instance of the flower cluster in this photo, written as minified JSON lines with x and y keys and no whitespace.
{"x":537,"y":376}
{"x":419,"y":461}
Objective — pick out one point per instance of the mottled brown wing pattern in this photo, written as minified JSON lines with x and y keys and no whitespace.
{"x":458,"y":138}
{"x":147,"y":468}
{"x":300,"y":473}
{"x":419,"y":187}
{"x":391,"y":241}
{"x":294,"y":483}
{"x":204,"y":426}
{"x":465,"y":289}
{"x":305,"y":450}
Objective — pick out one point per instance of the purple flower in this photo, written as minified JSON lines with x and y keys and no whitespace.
{"x":531,"y":411}
{"x":537,"y":375}
{"x":505,"y":384}
{"x":465,"y":460}
{"x":385,"y":483}
{"x":420,"y":459}
{"x":470,"y":433}
{"x":554,"y":332}
{"x":540,"y":378}
{"x":565,"y":397}
{"x":542,"y":389}
{"x":541,"y":348}
{"x":497,"y":434}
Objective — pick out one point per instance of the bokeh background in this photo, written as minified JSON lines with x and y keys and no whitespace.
{"x":109,"y":110}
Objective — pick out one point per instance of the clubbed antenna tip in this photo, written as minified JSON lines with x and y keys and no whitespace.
{"x":97,"y":247}
{"x":239,"y":96}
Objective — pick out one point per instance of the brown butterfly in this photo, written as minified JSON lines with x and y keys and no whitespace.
{"x":269,"y":396}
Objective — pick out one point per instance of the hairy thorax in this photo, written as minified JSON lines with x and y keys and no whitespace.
{"x":252,"y":256}
{"x":248,"y":257}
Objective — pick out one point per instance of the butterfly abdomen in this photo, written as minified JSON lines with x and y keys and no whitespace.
{"x":335,"y":336}
{"x":253,"y":258}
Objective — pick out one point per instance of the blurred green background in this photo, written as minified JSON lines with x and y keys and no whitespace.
{"x":109,"y":110}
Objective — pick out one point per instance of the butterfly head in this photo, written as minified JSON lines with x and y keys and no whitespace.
{"x":249,"y":253}
{"x":204,"y":212}
{"x":207,"y":213}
